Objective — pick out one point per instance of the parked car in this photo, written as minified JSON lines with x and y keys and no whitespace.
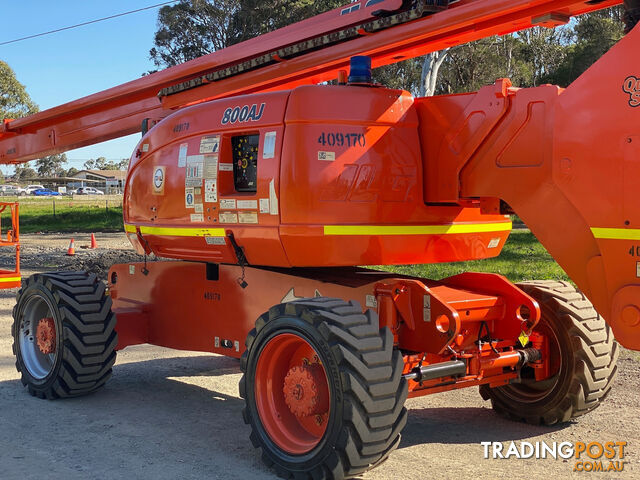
{"x":88,"y":191}
{"x":45,"y":192}
{"x":12,"y":190}
{"x":32,"y":188}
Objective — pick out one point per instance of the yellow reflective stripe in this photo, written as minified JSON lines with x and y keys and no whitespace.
{"x":130,"y":228}
{"x":183,"y":231}
{"x":10,"y":279}
{"x":616,"y":233}
{"x":415,"y":229}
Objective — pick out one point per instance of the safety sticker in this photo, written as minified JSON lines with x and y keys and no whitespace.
{"x":210,"y":144}
{"x":638,"y":269}
{"x":228,"y":217}
{"x":225,"y":167}
{"x":247,"y":204}
{"x":198,"y":208}
{"x":494,"y":243}
{"x":211,"y":166}
{"x":370,"y":301}
{"x":197,"y":191}
{"x":215,"y":240}
{"x":273,"y":199}
{"x":327,"y":156}
{"x":248,"y":217}
{"x":269,"y":147}
{"x":158,"y":181}
{"x":189,"y":198}
{"x":227,"y":204}
{"x":145,"y":147}
{"x":182,"y":155}
{"x":264,"y":205}
{"x":210,"y":191}
{"x":193,"y":174}
{"x":426,"y":308}
{"x":197,"y":217}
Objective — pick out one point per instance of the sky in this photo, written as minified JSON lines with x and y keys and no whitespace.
{"x":68,"y":65}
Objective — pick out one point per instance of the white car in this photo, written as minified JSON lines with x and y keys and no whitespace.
{"x":12,"y":190}
{"x":88,"y":191}
{"x":32,"y":188}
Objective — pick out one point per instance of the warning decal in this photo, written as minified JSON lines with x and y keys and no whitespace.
{"x":158,"y":180}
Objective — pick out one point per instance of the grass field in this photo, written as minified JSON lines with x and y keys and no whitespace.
{"x":523,"y":258}
{"x":68,"y":214}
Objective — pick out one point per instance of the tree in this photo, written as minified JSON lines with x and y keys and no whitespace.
{"x":71,"y":172}
{"x":14,"y":99}
{"x":431,"y":64}
{"x":101,"y":163}
{"x":23,"y":172}
{"x":190,"y":29}
{"x":52,"y":165}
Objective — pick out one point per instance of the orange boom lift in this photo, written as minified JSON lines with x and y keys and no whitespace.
{"x":269,"y":189}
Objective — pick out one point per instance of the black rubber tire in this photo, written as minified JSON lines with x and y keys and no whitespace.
{"x":85,"y":335}
{"x":368,"y":390}
{"x":588,"y":352}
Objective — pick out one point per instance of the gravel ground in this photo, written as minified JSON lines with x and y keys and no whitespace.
{"x":167,"y":414}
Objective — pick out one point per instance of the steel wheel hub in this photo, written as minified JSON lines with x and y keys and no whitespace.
{"x":305,"y":391}
{"x":46,"y":336}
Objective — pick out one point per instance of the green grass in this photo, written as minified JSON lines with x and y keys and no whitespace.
{"x":523,"y":258}
{"x":71,"y":215}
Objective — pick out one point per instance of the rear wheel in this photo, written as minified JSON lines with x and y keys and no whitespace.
{"x":323,"y":388}
{"x":64,"y":337}
{"x":582,"y":353}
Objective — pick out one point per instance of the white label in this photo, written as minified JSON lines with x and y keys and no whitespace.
{"x":273,"y":199}
{"x":494,"y":243}
{"x":145,"y":147}
{"x":193,"y":173}
{"x":182,"y":155}
{"x":426,"y":308}
{"x":197,"y":217}
{"x":198,"y":208}
{"x":264,"y":205}
{"x":215,"y":240}
{"x":225,"y":167}
{"x":228,"y":217}
{"x":247,"y":204}
{"x":132,"y":269}
{"x":227,"y":204}
{"x":189,"y":199}
{"x":210,"y":166}
{"x":370,"y":301}
{"x":210,"y":191}
{"x":210,"y":144}
{"x":248,"y":217}
{"x":269,"y":148}
{"x":158,"y":181}
{"x":327,"y":156}
{"x":638,"y":269}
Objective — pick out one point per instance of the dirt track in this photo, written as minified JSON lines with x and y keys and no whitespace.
{"x":176,"y":415}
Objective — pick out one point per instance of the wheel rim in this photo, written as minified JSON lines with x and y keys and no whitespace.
{"x":292,"y":393}
{"x":38,"y":336}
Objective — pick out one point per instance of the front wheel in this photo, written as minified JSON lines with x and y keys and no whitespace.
{"x":323,"y":388}
{"x":64,"y":337}
{"x":582,"y":354}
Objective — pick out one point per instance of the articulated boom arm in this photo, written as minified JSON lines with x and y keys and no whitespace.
{"x":306,"y":52}
{"x":566,"y":161}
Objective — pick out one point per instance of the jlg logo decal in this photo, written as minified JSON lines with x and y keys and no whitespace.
{"x":243,"y":114}
{"x":632,"y":87}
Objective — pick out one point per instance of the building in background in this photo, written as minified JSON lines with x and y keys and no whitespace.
{"x":109,"y":181}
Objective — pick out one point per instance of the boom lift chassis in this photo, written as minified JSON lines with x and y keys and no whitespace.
{"x":331,"y":352}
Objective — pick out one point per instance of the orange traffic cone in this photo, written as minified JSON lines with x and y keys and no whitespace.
{"x":71,"y":250}
{"x":94,"y":244}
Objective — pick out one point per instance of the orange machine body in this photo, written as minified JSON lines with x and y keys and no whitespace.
{"x":338,"y":181}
